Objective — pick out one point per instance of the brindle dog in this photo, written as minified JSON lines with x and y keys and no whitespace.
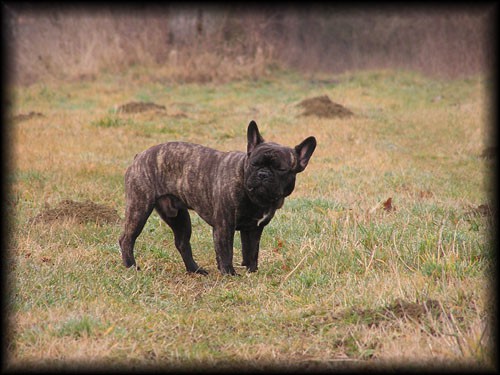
{"x":229,"y":190}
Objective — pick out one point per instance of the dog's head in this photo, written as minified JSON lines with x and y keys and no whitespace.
{"x":271,"y":168}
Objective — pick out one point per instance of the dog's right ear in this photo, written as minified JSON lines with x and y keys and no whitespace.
{"x":304,"y":152}
{"x":253,"y":136}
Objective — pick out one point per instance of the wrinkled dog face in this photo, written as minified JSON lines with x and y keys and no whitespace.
{"x":270,"y":175}
{"x":271,"y":168}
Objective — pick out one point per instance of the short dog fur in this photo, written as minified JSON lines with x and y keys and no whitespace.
{"x":231,"y":191}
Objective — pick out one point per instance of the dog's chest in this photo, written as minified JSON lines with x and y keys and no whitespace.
{"x":266,"y":217}
{"x":252,"y":219}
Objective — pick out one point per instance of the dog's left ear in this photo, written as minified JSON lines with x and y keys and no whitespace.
{"x":304,"y":151}
{"x":253,"y":136}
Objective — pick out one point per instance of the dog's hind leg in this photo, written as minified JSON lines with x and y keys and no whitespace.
{"x":137,"y":212}
{"x":176,"y":215}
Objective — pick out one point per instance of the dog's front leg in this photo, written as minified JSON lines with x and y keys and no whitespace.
{"x":250,"y":240}
{"x":223,"y":241}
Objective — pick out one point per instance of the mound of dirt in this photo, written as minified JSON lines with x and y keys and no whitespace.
{"x":412,"y":310}
{"x":322,"y":106}
{"x":26,"y":116}
{"x":399,"y":309}
{"x":136,"y":107}
{"x":81,"y":212}
{"x":489,"y":153}
{"x":481,"y":210}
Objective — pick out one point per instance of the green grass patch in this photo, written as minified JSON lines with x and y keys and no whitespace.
{"x":110,"y":121}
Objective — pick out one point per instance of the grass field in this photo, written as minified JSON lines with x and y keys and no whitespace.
{"x":343,"y":279}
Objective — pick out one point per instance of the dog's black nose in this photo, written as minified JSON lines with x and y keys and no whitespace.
{"x":263,"y":173}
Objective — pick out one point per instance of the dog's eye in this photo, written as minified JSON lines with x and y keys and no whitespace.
{"x":281,"y":167}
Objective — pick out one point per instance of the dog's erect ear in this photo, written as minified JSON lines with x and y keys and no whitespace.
{"x":304,"y":151}
{"x":253,"y":136}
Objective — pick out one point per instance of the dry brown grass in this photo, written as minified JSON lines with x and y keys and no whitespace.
{"x":214,"y":43}
{"x":333,"y":264}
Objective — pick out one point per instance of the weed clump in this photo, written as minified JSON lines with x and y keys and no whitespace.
{"x":81,"y":212}
{"x":137,"y":107}
{"x":322,"y":106}
{"x":109,"y":122}
{"x":399,"y":309}
{"x":26,"y":116}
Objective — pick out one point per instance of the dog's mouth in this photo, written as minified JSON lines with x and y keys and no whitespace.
{"x":263,"y":197}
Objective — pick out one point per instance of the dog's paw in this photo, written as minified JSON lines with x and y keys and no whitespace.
{"x":253,"y":268}
{"x":198,"y":270}
{"x":201,"y":271}
{"x":128,"y":261}
{"x":228,"y":270}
